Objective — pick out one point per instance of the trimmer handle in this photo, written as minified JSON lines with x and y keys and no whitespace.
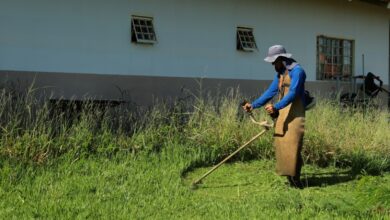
{"x":264,"y":124}
{"x":243,"y":103}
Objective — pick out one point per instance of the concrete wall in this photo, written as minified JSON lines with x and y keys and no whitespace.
{"x":196,"y":38}
{"x":145,"y":90}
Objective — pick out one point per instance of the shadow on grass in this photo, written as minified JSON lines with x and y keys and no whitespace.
{"x":309,"y":180}
{"x":327,"y":179}
{"x":227,"y":185}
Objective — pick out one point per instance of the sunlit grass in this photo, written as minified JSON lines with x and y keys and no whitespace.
{"x":96,"y":161}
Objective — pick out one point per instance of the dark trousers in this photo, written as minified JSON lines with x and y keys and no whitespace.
{"x":295,"y":181}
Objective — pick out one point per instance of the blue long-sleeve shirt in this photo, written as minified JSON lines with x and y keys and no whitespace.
{"x":297,"y":87}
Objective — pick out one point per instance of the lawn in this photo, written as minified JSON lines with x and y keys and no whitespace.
{"x":153,"y":187}
{"x":131,"y":163}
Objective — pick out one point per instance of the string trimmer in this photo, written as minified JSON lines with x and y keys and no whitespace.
{"x":263,"y":124}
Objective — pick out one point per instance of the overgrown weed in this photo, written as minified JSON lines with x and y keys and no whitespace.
{"x":38,"y":132}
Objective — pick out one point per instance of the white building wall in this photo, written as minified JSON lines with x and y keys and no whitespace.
{"x":196,"y":38}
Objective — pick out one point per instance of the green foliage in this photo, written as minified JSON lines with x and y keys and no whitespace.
{"x":150,"y":186}
{"x":346,"y":137}
{"x":37,"y":132}
{"x":94,"y":161}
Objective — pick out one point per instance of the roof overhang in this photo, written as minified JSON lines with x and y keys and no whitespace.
{"x":381,"y":3}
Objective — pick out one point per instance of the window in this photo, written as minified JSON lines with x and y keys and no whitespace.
{"x":142,"y":30}
{"x":245,"y":39}
{"x":334,"y":58}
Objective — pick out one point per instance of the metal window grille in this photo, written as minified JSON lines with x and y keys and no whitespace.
{"x":334,"y":58}
{"x":246,"y":39}
{"x":142,"y":30}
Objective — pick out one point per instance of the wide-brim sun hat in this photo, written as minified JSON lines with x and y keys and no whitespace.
{"x":276,"y":51}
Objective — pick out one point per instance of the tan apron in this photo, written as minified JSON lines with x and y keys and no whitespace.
{"x":289,"y":130}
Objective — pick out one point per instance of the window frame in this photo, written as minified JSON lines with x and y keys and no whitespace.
{"x":249,"y":39}
{"x":142,"y":26}
{"x":335,"y":58}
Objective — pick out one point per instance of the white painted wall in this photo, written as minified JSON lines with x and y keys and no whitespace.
{"x":196,"y":38}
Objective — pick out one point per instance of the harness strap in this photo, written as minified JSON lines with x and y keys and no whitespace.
{"x":281,"y":85}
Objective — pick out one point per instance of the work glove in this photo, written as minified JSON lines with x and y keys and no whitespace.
{"x":274,"y":113}
{"x":246,"y":106}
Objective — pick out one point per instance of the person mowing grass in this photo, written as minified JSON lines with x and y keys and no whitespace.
{"x":288,"y":112}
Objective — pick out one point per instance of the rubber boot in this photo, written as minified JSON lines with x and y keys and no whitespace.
{"x":295,"y":181}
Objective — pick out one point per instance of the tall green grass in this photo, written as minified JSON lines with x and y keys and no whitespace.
{"x":91,"y":161}
{"x":348,"y":137}
{"x":35,"y":132}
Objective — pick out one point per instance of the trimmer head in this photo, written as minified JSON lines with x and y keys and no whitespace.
{"x":194,"y":185}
